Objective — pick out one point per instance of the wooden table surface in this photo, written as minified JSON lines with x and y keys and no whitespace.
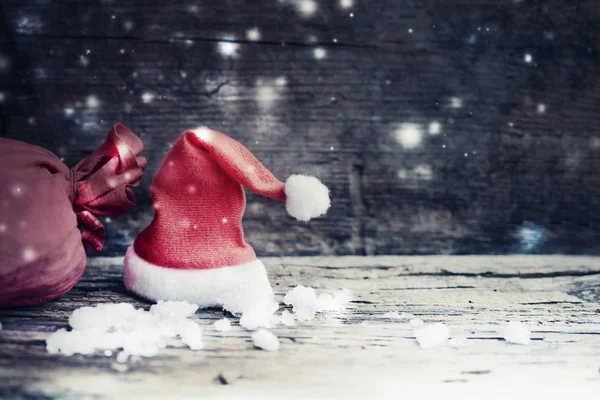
{"x":356,"y":353}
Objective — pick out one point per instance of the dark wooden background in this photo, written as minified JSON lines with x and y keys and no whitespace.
{"x":512,"y":84}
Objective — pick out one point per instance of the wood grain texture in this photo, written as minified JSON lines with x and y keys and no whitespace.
{"x":357,"y":353}
{"x":501,"y":176}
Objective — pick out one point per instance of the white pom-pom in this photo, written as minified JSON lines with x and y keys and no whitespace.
{"x":306,"y":197}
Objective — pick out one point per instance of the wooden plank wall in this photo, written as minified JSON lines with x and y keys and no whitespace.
{"x":464,"y":126}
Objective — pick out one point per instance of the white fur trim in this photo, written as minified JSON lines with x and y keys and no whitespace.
{"x":307,"y":197}
{"x":239,"y":289}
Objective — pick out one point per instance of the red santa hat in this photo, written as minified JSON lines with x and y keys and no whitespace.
{"x":194,"y":249}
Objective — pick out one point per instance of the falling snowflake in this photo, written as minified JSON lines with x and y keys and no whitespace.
{"x":4,"y":62}
{"x":541,"y":108}
{"x":345,"y":4}
{"x":148,"y":97}
{"x":253,"y":34}
{"x":29,"y":254}
{"x":435,"y":128}
{"x":528,"y":58}
{"x":92,"y":102}
{"x":530,"y":236}
{"x":228,"y":48}
{"x":2,"y":97}
{"x":409,"y":135}
{"x":456,"y":102}
{"x":84,"y":61}
{"x":423,"y":171}
{"x":306,"y":7}
{"x":319,"y":53}
{"x":266,"y":96}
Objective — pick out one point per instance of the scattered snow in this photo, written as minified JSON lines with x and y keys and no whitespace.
{"x":191,"y":334}
{"x":517,"y":332}
{"x":541,"y":108}
{"x":222,"y":325}
{"x":457,"y":341}
{"x":173,"y":309}
{"x":68,"y":111}
{"x":287,"y":318}
{"x":259,"y":314}
{"x":319,"y":53}
{"x":253,"y":34}
{"x":528,"y":58}
{"x":2,"y":97}
{"x":432,"y":335}
{"x":306,"y":303}
{"x":334,"y":302}
{"x":397,"y":315}
{"x":416,"y":322}
{"x":266,"y":340}
{"x":122,"y":357}
{"x":409,"y":135}
{"x":109,"y":327}
{"x":435,"y":128}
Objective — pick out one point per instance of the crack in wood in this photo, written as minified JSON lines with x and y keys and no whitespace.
{"x":445,"y":272}
{"x":550,"y":302}
{"x":489,"y":274}
{"x":183,"y":39}
{"x":215,"y":90}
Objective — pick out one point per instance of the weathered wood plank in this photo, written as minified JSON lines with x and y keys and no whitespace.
{"x":528,"y":182}
{"x":354,"y":353}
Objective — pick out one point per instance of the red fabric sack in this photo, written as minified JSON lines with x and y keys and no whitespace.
{"x":42,"y":202}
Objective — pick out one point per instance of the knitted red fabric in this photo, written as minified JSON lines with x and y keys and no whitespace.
{"x":199,"y":202}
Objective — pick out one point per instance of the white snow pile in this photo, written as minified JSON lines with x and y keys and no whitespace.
{"x":266,"y":340}
{"x":306,"y":304}
{"x":432,"y":335}
{"x":286,"y":318}
{"x":222,"y":325}
{"x":517,"y":333}
{"x":137,"y":332}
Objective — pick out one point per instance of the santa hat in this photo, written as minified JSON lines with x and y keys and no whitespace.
{"x":194,"y":249}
